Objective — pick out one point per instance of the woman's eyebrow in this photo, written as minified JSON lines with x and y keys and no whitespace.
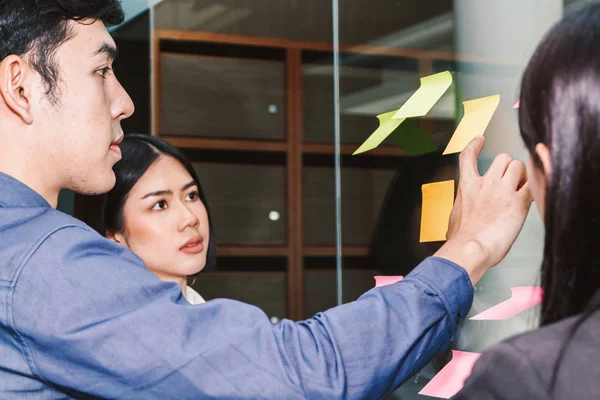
{"x":188,"y":185}
{"x":157,"y":193}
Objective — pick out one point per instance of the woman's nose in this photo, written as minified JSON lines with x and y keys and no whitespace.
{"x":188,"y":219}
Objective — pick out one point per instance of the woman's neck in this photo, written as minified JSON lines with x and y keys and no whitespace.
{"x":181,"y":280}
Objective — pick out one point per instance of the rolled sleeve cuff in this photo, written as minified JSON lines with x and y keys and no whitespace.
{"x":450,"y":281}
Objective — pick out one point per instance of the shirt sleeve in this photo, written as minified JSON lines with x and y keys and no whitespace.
{"x":503,"y":373}
{"x":93,"y":320}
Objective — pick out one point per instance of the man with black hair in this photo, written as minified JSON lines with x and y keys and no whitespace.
{"x":81,"y":317}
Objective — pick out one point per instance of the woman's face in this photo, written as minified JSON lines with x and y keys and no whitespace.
{"x":166,"y":223}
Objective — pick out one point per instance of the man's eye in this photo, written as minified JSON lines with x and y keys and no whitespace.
{"x":102,"y":72}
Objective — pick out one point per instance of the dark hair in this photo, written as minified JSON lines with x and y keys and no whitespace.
{"x":37,"y":28}
{"x":560,"y":107}
{"x":139,"y":153}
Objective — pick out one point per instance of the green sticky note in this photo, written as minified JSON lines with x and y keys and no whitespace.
{"x":422,"y":101}
{"x":412,"y":139}
{"x":387,"y":125}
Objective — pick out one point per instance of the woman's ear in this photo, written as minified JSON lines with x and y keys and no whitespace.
{"x":116,"y":237}
{"x":543,"y":154}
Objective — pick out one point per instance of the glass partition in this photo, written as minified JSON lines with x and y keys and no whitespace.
{"x":270,"y":99}
{"x":485,"y":45}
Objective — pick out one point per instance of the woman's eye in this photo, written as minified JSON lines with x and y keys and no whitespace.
{"x":192,"y":196}
{"x":161,"y":205}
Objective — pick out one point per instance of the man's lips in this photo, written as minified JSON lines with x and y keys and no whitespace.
{"x":115,"y":145}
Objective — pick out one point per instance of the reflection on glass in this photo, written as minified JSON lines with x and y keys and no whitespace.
{"x":247,"y":87}
{"x":485,"y":45}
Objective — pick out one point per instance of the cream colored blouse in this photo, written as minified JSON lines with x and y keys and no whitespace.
{"x":193,"y":297}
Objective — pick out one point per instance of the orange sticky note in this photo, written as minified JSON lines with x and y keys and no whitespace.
{"x":478,"y":114}
{"x":438,"y":200}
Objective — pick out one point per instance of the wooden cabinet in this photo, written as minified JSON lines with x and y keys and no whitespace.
{"x":222,"y":97}
{"x":363,"y":191}
{"x":264,"y":289}
{"x":255,"y":115}
{"x":247,"y":202}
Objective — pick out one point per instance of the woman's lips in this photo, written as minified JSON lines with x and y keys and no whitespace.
{"x":193,"y":246}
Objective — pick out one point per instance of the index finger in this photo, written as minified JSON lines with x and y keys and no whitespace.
{"x":468,"y":157}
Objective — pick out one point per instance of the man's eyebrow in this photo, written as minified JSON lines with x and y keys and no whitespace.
{"x":107,"y":49}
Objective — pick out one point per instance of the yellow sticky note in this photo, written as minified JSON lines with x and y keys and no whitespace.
{"x":438,"y":200}
{"x":478,"y":114}
{"x":422,"y":101}
{"x":387,"y":125}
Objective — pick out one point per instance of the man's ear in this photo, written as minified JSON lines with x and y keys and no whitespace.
{"x":116,"y":237}
{"x":543,"y":153}
{"x":15,"y":87}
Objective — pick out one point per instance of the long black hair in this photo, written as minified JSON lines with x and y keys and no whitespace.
{"x":560,"y":107}
{"x":139,"y":153}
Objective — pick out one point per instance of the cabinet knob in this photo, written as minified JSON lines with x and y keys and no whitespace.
{"x":274,"y":216}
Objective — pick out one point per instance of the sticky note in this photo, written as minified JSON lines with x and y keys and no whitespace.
{"x":518,"y":104}
{"x":452,"y":377}
{"x":523,"y":297}
{"x":412,"y":139}
{"x":478,"y":114}
{"x":387,"y":125}
{"x":422,"y":101}
{"x":386,"y":280}
{"x":438,"y":199}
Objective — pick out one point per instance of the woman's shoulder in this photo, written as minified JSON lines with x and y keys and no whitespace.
{"x":542,"y":345}
{"x":523,"y":366}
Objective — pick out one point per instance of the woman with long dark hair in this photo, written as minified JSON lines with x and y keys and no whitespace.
{"x":559,"y":118}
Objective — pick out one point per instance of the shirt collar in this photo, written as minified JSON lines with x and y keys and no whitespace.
{"x":14,"y":193}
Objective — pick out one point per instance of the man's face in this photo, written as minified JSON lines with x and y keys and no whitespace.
{"x":81,"y":130}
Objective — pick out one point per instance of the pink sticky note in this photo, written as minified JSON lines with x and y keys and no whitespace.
{"x":518,"y":104}
{"x":387,"y":280}
{"x":452,"y":377}
{"x":523,"y":297}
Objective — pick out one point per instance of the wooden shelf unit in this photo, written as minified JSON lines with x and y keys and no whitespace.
{"x":294,"y":147}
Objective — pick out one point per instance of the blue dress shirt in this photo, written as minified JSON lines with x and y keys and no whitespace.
{"x":81,"y":317}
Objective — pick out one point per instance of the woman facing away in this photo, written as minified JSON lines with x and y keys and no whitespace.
{"x":559,"y":119}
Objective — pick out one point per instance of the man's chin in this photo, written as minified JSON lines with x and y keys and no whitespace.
{"x":96,"y":186}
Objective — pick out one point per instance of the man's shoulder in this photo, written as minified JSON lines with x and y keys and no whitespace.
{"x":34,"y":227}
{"x":24,"y":232}
{"x":36,"y":219}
